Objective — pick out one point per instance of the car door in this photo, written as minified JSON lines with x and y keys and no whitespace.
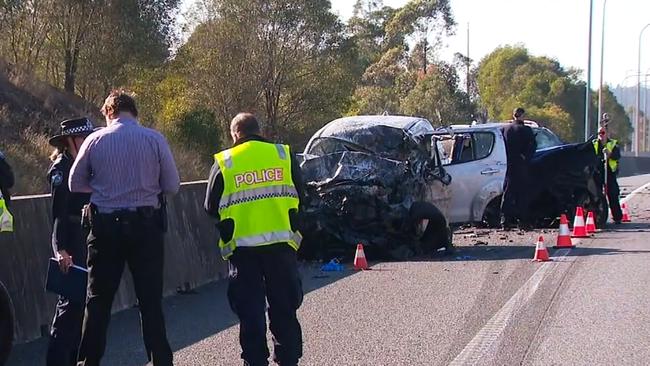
{"x":477,"y":166}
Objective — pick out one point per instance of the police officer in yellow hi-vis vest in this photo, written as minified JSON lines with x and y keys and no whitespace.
{"x":6,"y":182}
{"x":254,"y":190}
{"x":604,"y":146}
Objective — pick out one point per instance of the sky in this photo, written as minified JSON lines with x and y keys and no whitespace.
{"x":555,"y":28}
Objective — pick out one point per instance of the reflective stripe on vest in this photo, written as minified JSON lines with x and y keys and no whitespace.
{"x":6,"y":218}
{"x":610,"y":145}
{"x":258,"y":195}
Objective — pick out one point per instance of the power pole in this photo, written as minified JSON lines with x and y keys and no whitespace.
{"x":588,"y":89}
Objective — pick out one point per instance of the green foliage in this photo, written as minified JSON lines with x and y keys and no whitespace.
{"x":509,"y":77}
{"x":437,"y":97}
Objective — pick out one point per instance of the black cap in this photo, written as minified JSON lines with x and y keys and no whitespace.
{"x":72,"y":127}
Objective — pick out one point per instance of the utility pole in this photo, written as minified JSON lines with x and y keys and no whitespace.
{"x":468,"y":59}
{"x":588,"y":89}
{"x":602,"y":58}
{"x":638,"y":97}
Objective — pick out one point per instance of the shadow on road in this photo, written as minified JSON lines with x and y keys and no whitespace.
{"x":190,"y":318}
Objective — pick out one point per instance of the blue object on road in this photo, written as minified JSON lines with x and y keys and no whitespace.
{"x":332,"y":266}
{"x":465,"y":258}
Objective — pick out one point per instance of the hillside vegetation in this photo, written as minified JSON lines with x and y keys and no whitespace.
{"x":294,"y":63}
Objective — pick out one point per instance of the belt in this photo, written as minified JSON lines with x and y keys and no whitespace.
{"x":123,"y":210}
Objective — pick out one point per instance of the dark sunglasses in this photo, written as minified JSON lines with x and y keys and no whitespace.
{"x":602,"y":133}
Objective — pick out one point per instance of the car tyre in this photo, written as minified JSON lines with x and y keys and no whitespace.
{"x":492,"y":214}
{"x":6,"y":324}
{"x":437,"y":233}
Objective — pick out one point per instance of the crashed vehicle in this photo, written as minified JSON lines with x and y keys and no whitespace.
{"x":374,"y":180}
{"x":564,"y":175}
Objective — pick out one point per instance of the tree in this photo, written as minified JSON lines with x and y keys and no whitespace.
{"x":509,"y":77}
{"x":437,"y":97}
{"x":288,"y":60}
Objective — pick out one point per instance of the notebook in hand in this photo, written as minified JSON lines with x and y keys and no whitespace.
{"x":71,"y":285}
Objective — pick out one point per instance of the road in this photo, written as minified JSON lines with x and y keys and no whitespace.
{"x":486,"y":305}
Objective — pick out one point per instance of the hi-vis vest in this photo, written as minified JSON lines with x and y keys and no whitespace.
{"x":6,"y":219}
{"x":258,"y":194}
{"x":613,"y":164}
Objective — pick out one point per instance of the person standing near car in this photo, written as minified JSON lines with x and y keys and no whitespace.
{"x":520,"y":147}
{"x":127,"y":168}
{"x":68,"y":238}
{"x":609,"y":154}
{"x":6,"y":183}
{"x":254,"y":190}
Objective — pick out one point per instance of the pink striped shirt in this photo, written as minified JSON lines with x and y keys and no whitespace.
{"x":124,"y":165}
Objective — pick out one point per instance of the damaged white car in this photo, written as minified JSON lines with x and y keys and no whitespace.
{"x":565,"y":175}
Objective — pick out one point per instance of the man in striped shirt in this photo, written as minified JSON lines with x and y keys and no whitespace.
{"x":127,"y":168}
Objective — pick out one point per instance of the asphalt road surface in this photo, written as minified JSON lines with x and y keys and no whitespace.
{"x":488,"y":304}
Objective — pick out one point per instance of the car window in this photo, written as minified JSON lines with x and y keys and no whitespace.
{"x":545,"y":138}
{"x":483,"y":144}
{"x":445,"y":148}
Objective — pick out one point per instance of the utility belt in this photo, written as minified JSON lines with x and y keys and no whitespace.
{"x":93,"y":216}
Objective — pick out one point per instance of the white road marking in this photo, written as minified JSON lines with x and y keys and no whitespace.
{"x":485,"y":341}
{"x":635,"y":192}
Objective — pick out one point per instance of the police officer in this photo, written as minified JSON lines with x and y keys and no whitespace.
{"x":127,"y":168}
{"x":6,"y":183}
{"x":520,"y":148}
{"x":608,"y":149}
{"x":254,"y":190}
{"x":68,"y":238}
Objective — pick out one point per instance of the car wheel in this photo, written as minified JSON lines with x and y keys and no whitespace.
{"x":6,"y":324}
{"x":492,"y":213}
{"x":436,"y":233}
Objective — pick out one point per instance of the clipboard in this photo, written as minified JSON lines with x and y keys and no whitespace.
{"x":71,"y":285}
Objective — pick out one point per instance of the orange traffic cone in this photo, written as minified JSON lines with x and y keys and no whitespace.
{"x":541,"y":253}
{"x":564,"y":237}
{"x":591,"y":223}
{"x":360,"y":258}
{"x":626,"y":213}
{"x":579,"y":229}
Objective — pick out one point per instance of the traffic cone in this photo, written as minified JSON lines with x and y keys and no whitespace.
{"x":626,"y":213}
{"x":360,"y":258}
{"x":564,"y":237}
{"x":591,"y":223}
{"x":541,"y":253}
{"x":579,"y":229}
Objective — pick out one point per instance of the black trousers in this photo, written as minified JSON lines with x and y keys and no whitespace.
{"x":261,"y":274}
{"x":116,"y":240}
{"x":613,"y":192}
{"x":65,"y":333}
{"x":514,"y":206}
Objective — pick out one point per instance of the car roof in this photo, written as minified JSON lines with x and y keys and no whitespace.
{"x":490,"y":125}
{"x":414,"y":126}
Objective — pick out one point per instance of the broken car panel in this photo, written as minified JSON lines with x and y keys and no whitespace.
{"x":374,"y":180}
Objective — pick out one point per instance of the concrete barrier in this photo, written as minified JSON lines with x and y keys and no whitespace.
{"x":191,"y":257}
{"x":634,"y":166}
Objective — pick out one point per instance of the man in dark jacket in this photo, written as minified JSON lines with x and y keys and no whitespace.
{"x":520,"y":147}
{"x":6,"y":182}
{"x":6,"y":178}
{"x":254,"y":190}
